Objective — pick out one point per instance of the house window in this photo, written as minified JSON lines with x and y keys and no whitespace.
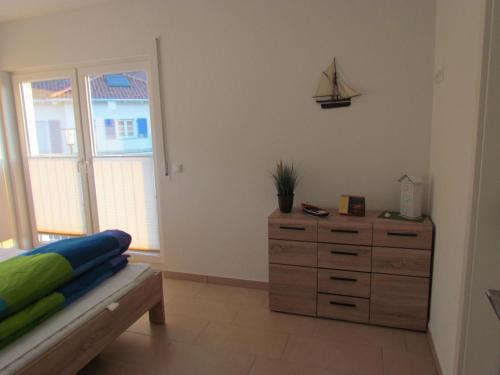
{"x":125,"y":128}
{"x":109,"y":126}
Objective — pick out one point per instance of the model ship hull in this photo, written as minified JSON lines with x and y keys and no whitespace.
{"x":335,"y":103}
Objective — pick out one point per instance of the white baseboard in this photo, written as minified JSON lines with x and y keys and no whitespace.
{"x":434,"y":353}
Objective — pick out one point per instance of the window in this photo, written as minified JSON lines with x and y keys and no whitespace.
{"x":110,"y":116}
{"x":7,"y":244}
{"x":109,"y":126}
{"x":125,"y":128}
{"x":117,"y":80}
{"x":50,"y":118}
{"x":44,"y":238}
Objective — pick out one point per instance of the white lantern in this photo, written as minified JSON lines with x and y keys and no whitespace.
{"x":411,"y":197}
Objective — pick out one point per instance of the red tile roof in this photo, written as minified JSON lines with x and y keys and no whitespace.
{"x":61,"y":88}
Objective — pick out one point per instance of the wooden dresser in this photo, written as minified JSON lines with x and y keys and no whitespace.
{"x":360,"y":269}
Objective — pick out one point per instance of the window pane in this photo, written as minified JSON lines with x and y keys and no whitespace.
{"x":48,"y":237}
{"x":126,"y":198}
{"x":119,"y":102}
{"x":122,"y":162}
{"x":55,"y":180}
{"x":57,"y":195}
{"x":50,"y":118}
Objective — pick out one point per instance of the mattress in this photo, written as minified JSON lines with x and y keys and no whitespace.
{"x":43,"y":337}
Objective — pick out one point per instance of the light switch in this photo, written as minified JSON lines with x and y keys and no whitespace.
{"x":178,"y":168}
{"x":439,"y":76}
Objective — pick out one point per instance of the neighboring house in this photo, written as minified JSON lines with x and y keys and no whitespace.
{"x":120,"y":116}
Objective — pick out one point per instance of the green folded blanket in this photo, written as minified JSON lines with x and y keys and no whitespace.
{"x":28,"y":318}
{"x":27,"y":278}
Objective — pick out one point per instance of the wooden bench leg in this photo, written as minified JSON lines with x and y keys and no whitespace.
{"x":157,"y":313}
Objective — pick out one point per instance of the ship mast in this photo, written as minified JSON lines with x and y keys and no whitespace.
{"x":335,"y":88}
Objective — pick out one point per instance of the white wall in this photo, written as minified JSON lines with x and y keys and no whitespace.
{"x":456,"y":105}
{"x":238,"y":78}
{"x":482,"y":336}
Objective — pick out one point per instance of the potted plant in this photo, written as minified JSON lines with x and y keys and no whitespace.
{"x":286,"y":179}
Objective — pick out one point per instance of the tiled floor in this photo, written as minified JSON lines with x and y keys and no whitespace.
{"x":214,"y":329}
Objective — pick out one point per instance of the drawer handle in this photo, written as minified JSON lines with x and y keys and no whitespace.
{"x":343,"y":253}
{"x":400,"y":234}
{"x":350,"y":231}
{"x":292,"y":228}
{"x":342,"y":304}
{"x":343,"y":279}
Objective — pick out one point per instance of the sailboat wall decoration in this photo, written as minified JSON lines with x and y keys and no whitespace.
{"x":333,"y":91}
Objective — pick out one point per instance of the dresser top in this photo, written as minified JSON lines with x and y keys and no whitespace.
{"x":370,"y":218}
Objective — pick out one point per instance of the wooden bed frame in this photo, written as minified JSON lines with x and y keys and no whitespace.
{"x":77,"y":349}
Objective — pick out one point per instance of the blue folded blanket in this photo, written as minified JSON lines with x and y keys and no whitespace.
{"x":26,"y":319}
{"x":27,"y":278}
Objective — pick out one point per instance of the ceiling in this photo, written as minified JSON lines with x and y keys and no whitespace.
{"x":17,"y":9}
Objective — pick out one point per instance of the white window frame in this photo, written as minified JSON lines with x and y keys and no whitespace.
{"x":147,"y":63}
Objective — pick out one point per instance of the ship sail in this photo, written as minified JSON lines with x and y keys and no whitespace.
{"x":331,"y":87}
{"x":346,"y":91}
{"x":325,"y":87}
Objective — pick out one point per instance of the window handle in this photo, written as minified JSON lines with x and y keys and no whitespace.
{"x":80,"y":165}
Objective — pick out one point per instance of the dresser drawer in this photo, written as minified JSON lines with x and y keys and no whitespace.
{"x":292,"y":289}
{"x":297,"y":230}
{"x":344,"y":282}
{"x":293,"y":253}
{"x":345,"y":233}
{"x":342,"y":307}
{"x":399,"y":301}
{"x":344,"y":257}
{"x":413,"y":236}
{"x":396,"y":261}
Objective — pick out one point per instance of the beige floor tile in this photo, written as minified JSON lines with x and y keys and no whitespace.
{"x":265,"y":320}
{"x":268,"y":366}
{"x":336,"y":356}
{"x":177,"y":328}
{"x":99,"y":366}
{"x":354,"y":333}
{"x":173,"y":288}
{"x":187,"y":359}
{"x":355,"y":359}
{"x":245,"y":340}
{"x":155,"y":355}
{"x":213,"y":311}
{"x":213,"y":329}
{"x":234,"y":295}
{"x":306,"y":351}
{"x":417,"y":343}
{"x":405,"y":363}
{"x":136,"y":349}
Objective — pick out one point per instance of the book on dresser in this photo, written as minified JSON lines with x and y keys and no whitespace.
{"x":361,"y":269}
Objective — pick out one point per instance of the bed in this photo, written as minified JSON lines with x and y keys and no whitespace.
{"x":66,"y":342}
